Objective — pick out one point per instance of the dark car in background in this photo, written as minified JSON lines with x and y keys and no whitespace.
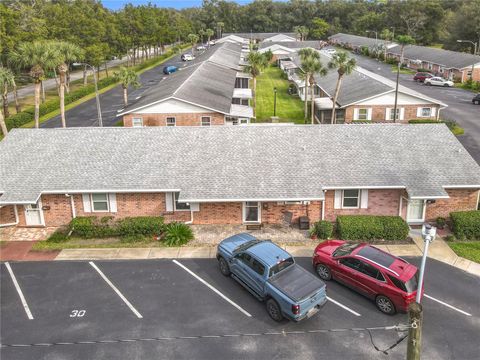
{"x":476,"y":99}
{"x":421,"y":76}
{"x":388,"y":280}
{"x":167,"y":70}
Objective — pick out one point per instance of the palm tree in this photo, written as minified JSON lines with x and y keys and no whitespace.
{"x":3,"y":126}
{"x":68,"y":53}
{"x":127,"y":77}
{"x":7,"y":80}
{"x":220,"y":26}
{"x":209,"y":33}
{"x":305,"y":54}
{"x":202,"y":33}
{"x":302,"y":32}
{"x":193,"y":38}
{"x":313,"y":66}
{"x":38,"y":56}
{"x":344,"y":65}
{"x":387,"y":36}
{"x":404,"y":40}
{"x":256,"y":63}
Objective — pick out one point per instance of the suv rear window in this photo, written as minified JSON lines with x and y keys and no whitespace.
{"x":409,"y":286}
{"x":282,"y":265}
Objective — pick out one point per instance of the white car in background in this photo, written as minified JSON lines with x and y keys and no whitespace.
{"x":187,"y":57}
{"x":330,"y":51}
{"x":201,"y":47}
{"x":438,"y":81}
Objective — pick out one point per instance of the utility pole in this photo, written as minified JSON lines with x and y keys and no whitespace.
{"x":414,"y":345}
{"x":97,"y":98}
{"x":395,"y":108}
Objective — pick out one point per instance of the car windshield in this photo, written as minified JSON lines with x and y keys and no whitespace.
{"x":345,"y":249}
{"x":281,"y":265}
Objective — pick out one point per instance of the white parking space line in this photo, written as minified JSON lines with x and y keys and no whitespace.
{"x":19,"y":291}
{"x":116,"y":290}
{"x":447,"y":305}
{"x":343,"y":306}
{"x":212,"y":288}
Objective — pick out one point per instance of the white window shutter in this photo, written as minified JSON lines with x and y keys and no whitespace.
{"x":369,"y":113}
{"x":112,"y":198}
{"x":355,"y":114}
{"x":169,"y":201}
{"x":419,"y":112}
{"x":387,"y":114}
{"x":338,"y":199}
{"x":86,"y":203}
{"x":402,"y":113}
{"x":195,"y":206}
{"x":364,"y":199}
{"x":433,"y":111}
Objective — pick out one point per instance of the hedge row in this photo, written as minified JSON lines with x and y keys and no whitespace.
{"x":369,"y":227}
{"x":93,"y":227}
{"x":27,"y":115}
{"x":322,"y":229}
{"x":466,"y":224}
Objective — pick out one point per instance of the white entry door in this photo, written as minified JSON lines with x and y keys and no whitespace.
{"x":251,"y":212}
{"x":415,"y":211}
{"x":34,"y":214}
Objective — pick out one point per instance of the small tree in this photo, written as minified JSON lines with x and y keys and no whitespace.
{"x":344,"y":66}
{"x":268,"y":55}
{"x":319,"y":28}
{"x":7,"y":80}
{"x":256,"y":63}
{"x":193,"y":38}
{"x":209,"y":33}
{"x":404,"y":40}
{"x":127,"y":77}
{"x":302,"y":32}
{"x":220,"y":26}
{"x":387,"y":36}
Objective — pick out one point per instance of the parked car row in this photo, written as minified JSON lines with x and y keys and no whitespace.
{"x":271,"y":275}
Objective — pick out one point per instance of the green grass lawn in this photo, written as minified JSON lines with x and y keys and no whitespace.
{"x":289,"y":108}
{"x":467,"y":249}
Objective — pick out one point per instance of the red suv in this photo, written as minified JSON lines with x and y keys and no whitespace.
{"x":421,"y":76}
{"x":387,"y":279}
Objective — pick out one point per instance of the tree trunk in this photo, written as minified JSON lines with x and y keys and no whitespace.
{"x":6,"y":112}
{"x":337,"y":90}
{"x":15,"y":98}
{"x":85,"y":75}
{"x":312,"y":103}
{"x":106,"y":68}
{"x":125,"y":96}
{"x":57,"y":84}
{"x":134,"y":56}
{"x":254,"y":95}
{"x":401,"y":55}
{"x":43,"y":91}
{"x":38,"y":88}
{"x":3,"y":126}
{"x":62,"y":98}
{"x":305,"y":98}
{"x":67,"y":82}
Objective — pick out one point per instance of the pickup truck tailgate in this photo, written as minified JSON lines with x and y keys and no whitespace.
{"x":296,"y":283}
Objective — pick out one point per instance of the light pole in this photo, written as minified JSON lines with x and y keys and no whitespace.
{"x":428,"y":234}
{"x":395,"y":107}
{"x":274,"y":101}
{"x":97,"y":98}
{"x":474,"y":53}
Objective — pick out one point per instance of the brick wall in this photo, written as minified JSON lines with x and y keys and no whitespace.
{"x":379,"y":112}
{"x":460,"y":199}
{"x":273,"y":212}
{"x":7,"y":214}
{"x":380,"y":202}
{"x":184,"y":119}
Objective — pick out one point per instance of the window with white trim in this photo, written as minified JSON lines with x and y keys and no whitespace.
{"x":181,"y":206}
{"x":392,"y":113}
{"x":362,"y":114}
{"x":99,"y":202}
{"x":350,"y":199}
{"x":170,"y":121}
{"x":426,"y":112}
{"x":137,"y":122}
{"x":206,"y":120}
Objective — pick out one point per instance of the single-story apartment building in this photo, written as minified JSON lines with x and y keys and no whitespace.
{"x":452,"y":65}
{"x":356,"y":43}
{"x":263,"y":37}
{"x":282,"y":50}
{"x":364,"y":96}
{"x":225,"y":175}
{"x":213,"y":92}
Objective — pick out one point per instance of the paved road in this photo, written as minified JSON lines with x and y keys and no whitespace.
{"x":72,"y":302}
{"x":459,"y":101}
{"x":112,"y":101}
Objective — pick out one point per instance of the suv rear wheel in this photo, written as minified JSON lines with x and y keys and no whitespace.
{"x":385,"y":305}
{"x":273,"y":310}
{"x":323,"y":271}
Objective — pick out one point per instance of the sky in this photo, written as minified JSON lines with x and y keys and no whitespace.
{"x":177,"y":4}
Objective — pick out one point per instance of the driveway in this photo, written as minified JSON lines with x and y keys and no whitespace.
{"x":459,"y":101}
{"x":161,"y":309}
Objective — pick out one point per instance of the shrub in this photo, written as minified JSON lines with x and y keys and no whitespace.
{"x":322,"y":229}
{"x":58,"y":237}
{"x":424,"y":121}
{"x":91,"y":227}
{"x":424,"y":70}
{"x":466,"y":224}
{"x":142,"y":225}
{"x":177,"y":234}
{"x":368,"y":227}
{"x":440,"y":222}
{"x":450,"y":238}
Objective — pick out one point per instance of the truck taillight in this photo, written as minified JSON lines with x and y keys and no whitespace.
{"x":295,"y":309}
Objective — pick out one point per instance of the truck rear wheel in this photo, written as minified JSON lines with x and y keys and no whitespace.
{"x":274,"y":310}
{"x":224,"y":268}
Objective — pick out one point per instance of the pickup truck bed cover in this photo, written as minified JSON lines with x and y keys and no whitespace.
{"x":296,"y":282}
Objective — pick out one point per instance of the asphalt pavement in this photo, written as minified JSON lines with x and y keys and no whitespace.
{"x":459,"y":101}
{"x":156,"y":309}
{"x":111,"y":102}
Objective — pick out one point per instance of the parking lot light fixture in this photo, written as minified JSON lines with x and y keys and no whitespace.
{"x":97,"y":98}
{"x":474,"y":53}
{"x":428,"y":234}
{"x":274,"y":101}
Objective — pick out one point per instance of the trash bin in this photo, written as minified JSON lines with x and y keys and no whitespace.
{"x":304,"y":223}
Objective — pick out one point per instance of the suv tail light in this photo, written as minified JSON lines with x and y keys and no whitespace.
{"x":296,"y":309}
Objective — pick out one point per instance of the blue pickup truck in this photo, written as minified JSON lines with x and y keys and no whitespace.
{"x":270,"y":274}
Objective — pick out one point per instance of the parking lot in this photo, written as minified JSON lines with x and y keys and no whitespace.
{"x":186,"y":309}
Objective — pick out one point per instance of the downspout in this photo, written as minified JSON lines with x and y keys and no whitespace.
{"x":72,"y":205}
{"x":438,"y":112}
{"x":323,"y":204}
{"x":16,"y":218}
{"x":400,"y":206}
{"x":191,"y":217}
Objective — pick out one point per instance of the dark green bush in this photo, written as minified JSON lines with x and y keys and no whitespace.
{"x":58,"y":236}
{"x":466,"y":224}
{"x":322,"y":229}
{"x":369,"y":227}
{"x":91,"y":227}
{"x":440,"y":222}
{"x":424,"y":121}
{"x":450,"y":238}
{"x":142,"y":225}
{"x":177,"y":234}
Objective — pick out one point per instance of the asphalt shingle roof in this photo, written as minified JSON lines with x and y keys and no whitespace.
{"x":356,"y":40}
{"x":259,"y":36}
{"x":233,"y":163}
{"x":292,"y":44}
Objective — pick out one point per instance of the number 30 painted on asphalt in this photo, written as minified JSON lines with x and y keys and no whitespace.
{"x":77,"y":313}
